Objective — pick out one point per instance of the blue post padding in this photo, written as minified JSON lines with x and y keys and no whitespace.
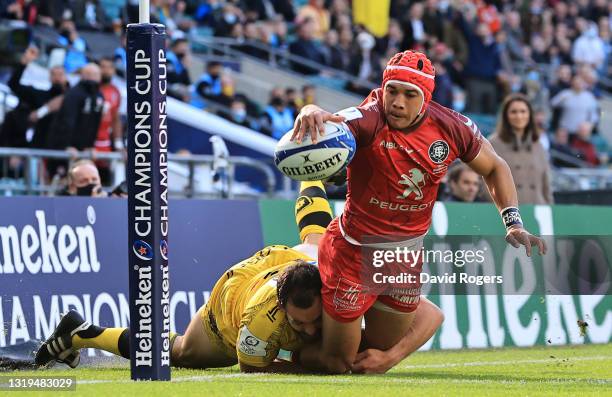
{"x":147,"y":202}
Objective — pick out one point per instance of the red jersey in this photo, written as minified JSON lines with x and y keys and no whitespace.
{"x":393,"y":178}
{"x":112,"y":100}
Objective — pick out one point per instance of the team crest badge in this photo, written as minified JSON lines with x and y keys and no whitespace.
{"x":438,"y":151}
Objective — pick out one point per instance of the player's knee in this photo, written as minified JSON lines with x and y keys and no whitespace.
{"x":338,"y":364}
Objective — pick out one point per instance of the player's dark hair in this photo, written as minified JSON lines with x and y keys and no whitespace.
{"x":299,"y":284}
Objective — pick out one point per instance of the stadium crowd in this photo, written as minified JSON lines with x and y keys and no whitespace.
{"x":556,"y":53}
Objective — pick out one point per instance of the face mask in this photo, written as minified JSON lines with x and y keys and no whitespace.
{"x":239,"y":115}
{"x":86,"y":190}
{"x":230,"y":18}
{"x":180,"y":56}
{"x":106,"y":79}
{"x":276,"y":101}
{"x":90,"y":85}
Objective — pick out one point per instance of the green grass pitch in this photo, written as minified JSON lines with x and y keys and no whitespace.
{"x":584,"y":370}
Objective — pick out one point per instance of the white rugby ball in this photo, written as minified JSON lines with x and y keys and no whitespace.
{"x":309,"y":161}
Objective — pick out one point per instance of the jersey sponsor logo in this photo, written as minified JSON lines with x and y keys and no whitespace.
{"x":251,"y":345}
{"x":386,"y":205}
{"x":272,"y":314}
{"x":301,"y":203}
{"x":413,"y":182}
{"x":349,"y":296}
{"x":393,"y":145}
{"x":438,"y":151}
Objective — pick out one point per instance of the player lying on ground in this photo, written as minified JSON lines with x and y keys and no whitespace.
{"x":268,"y":302}
{"x":405,"y":143}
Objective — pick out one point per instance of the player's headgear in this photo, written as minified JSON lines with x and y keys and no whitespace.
{"x":413,"y":69}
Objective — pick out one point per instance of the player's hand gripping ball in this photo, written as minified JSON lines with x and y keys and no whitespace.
{"x":308,"y":161}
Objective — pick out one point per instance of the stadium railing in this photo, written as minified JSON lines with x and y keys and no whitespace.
{"x":278,"y":58}
{"x":32,"y":183}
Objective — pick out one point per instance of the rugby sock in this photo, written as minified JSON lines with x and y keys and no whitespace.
{"x":312,"y":210}
{"x":113,"y":340}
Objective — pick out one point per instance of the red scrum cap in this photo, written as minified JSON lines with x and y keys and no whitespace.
{"x":413,"y":69}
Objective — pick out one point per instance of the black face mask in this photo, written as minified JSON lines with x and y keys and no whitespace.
{"x":90,"y":85}
{"x":57,"y":89}
{"x":180,"y":56}
{"x":86,"y":190}
{"x":65,"y":33}
{"x":106,"y":79}
{"x":276,"y":101}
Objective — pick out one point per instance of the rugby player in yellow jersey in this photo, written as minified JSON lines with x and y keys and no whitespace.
{"x":268,"y":302}
{"x":265,"y":303}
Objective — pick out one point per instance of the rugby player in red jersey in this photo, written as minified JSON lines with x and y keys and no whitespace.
{"x":405,"y":143}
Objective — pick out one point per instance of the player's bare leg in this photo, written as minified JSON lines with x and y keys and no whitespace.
{"x":419,"y":325}
{"x":196,"y":350}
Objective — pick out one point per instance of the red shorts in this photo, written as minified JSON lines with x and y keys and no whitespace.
{"x":349,"y":289}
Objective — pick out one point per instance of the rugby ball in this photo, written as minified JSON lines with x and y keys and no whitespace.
{"x":309,"y":161}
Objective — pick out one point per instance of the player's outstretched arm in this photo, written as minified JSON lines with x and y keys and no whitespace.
{"x":499,"y":181}
{"x":427,"y":320}
{"x":310,"y":121}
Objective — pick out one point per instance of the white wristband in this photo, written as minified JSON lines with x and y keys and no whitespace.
{"x":118,"y":144}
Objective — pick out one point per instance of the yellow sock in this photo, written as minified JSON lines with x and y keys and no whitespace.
{"x":312,"y":210}
{"x":107,"y":340}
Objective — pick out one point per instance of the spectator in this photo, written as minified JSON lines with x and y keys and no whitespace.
{"x":443,"y":92}
{"x":209,"y":85}
{"x":561,"y":145}
{"x":110,"y":132}
{"x":294,"y":102}
{"x":83,"y":180}
{"x":482,"y":68}
{"x":76,"y":124}
{"x":306,"y":47}
{"x":89,"y":14}
{"x":278,"y":117}
{"x":576,"y":105}
{"x":514,"y":36}
{"x":414,"y":29}
{"x":516,"y":140}
{"x":464,"y":184}
{"x":237,"y":113}
{"x":178,"y":63}
{"x":36,"y":107}
{"x":583,"y":145}
{"x":250,"y":47}
{"x":563,"y":80}
{"x":76,"y":47}
{"x":589,"y":48}
{"x":316,"y":12}
{"x":365,"y":65}
{"x":332,"y":52}
{"x":392,"y":42}
{"x":308,"y":95}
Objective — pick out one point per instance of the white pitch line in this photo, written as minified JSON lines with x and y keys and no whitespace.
{"x":496,"y":363}
{"x":256,"y":377}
